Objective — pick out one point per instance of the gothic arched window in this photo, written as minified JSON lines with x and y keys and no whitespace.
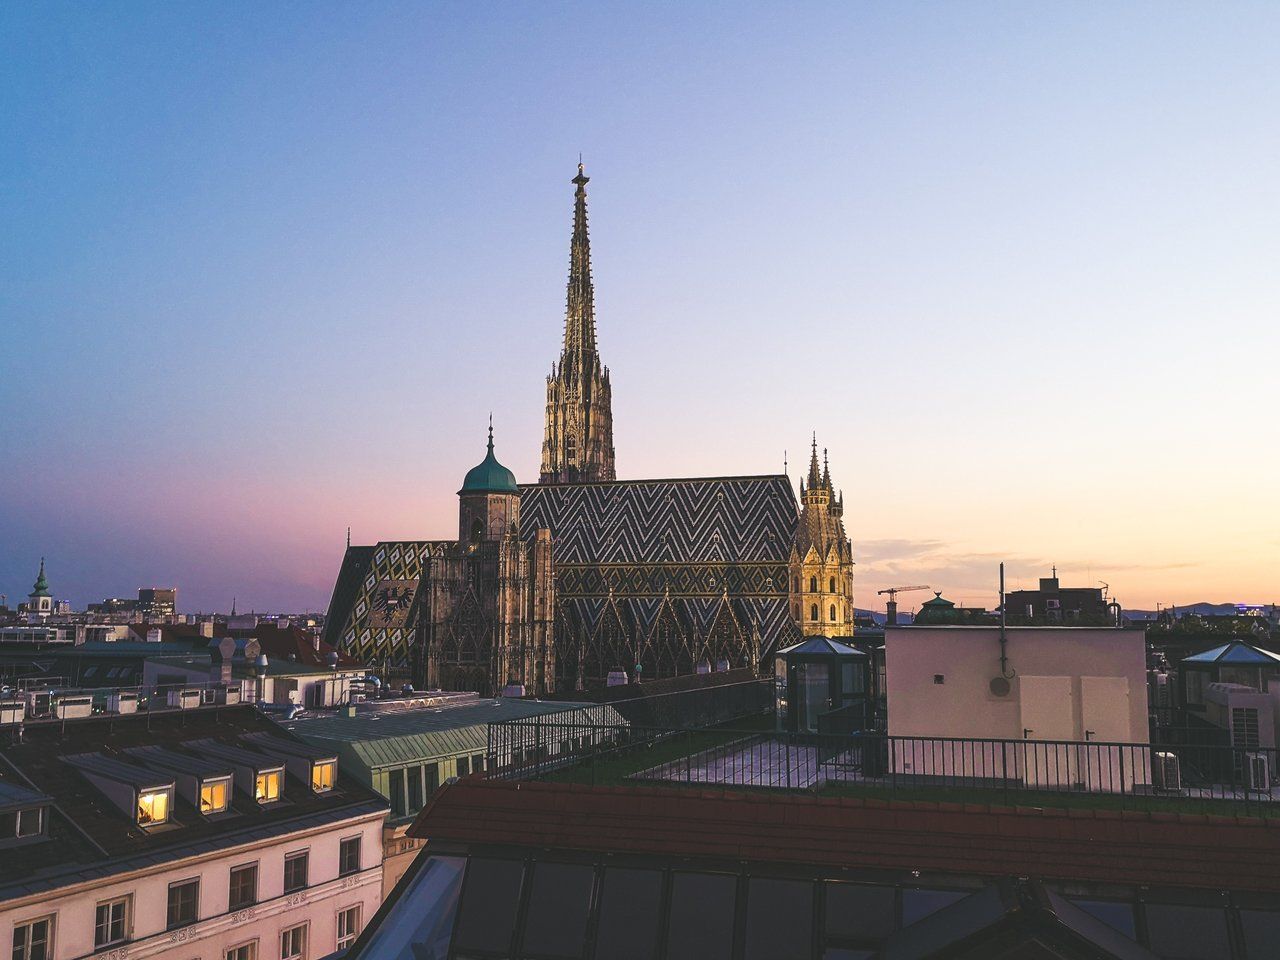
{"x":570,"y":447}
{"x":833,"y":613}
{"x":477,"y":530}
{"x":813,"y":612}
{"x":832,"y":588}
{"x":813,"y":586}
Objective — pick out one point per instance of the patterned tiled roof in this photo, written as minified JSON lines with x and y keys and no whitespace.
{"x":713,"y":520}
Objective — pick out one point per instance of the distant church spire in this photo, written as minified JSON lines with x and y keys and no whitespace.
{"x":577,"y":445}
{"x":815,"y":478}
{"x":580,"y":318}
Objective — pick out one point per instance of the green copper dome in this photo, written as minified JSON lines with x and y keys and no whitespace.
{"x":489,"y":476}
{"x":41,"y":587}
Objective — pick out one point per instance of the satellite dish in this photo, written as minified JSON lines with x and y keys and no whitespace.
{"x":999,"y":686}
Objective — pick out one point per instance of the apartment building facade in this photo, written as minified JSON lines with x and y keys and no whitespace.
{"x":209,"y":833}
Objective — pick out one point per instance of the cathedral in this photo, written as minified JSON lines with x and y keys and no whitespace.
{"x":582,"y":579}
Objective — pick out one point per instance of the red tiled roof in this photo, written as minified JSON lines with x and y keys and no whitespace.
{"x":1106,"y":846}
{"x":279,"y":643}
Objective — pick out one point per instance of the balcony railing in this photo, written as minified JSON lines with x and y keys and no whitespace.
{"x":1091,"y":773}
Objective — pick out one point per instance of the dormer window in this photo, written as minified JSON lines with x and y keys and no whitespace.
{"x":215,"y":795}
{"x":154,"y":806}
{"x":21,"y":824}
{"x":323,"y":775}
{"x":266,"y":787}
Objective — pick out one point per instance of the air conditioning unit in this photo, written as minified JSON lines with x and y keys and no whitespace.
{"x":1166,"y":771}
{"x":73,"y":708}
{"x":12,"y":712}
{"x":1258,"y":771}
{"x":187,"y":699}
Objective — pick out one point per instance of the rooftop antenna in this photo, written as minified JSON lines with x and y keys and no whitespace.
{"x":784,"y":462}
{"x":348,"y":538}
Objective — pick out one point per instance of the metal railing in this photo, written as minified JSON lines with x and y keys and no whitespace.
{"x":1123,"y":775}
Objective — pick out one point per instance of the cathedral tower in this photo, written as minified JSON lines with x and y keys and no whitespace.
{"x":821,"y":558}
{"x":578,"y":442}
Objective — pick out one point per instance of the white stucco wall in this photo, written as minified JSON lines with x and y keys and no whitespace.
{"x":1068,"y":684}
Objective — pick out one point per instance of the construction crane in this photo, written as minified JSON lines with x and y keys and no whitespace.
{"x":891,"y":608}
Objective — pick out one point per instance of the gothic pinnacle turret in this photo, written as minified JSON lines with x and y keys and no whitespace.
{"x":577,"y":446}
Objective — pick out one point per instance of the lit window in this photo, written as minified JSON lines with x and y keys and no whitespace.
{"x":266,"y":787}
{"x":293,"y":943}
{"x":33,"y":940}
{"x":323,"y":776}
{"x":153,"y":806}
{"x":111,"y":925}
{"x":348,"y":927}
{"x":215,"y":796}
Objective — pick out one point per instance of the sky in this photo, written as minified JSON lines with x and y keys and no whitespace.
{"x":266,"y":269}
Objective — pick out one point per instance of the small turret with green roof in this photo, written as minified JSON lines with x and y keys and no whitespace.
{"x":41,"y":586}
{"x":489,"y":476}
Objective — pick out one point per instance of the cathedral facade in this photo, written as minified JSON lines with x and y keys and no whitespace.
{"x":582,"y":579}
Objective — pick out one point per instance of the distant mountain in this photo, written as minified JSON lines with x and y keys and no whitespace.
{"x":904,"y":617}
{"x":1201,"y":609}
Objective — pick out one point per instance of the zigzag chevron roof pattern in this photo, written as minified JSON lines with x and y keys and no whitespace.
{"x":720,"y":520}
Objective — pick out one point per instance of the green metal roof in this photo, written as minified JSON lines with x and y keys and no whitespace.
{"x":41,"y":587}
{"x":414,"y":736}
{"x":489,"y":476}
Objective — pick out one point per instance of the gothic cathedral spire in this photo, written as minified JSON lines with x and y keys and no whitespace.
{"x":578,"y":442}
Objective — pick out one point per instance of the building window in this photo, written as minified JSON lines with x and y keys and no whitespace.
{"x":415,"y":788}
{"x":293,"y":943}
{"x":464,"y":763}
{"x":477,"y":763}
{"x":395,"y":787}
{"x":433,"y":777}
{"x":813,"y":584}
{"x":348,"y":926}
{"x":184,"y":904}
{"x":153,"y":806}
{"x":831,"y":588}
{"x":266,"y":787}
{"x":813,"y":612}
{"x":33,"y":940}
{"x":246,"y":951}
{"x":19,"y":824}
{"x":323,"y":776}
{"x":833,"y":613}
{"x":349,"y":856}
{"x":244,"y":887}
{"x":295,"y":871}
{"x":111,"y":924}
{"x":215,"y":795}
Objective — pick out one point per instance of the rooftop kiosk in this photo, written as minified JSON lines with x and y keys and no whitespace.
{"x":822,"y":687}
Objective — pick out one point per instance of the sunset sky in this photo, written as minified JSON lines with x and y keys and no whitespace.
{"x":266,"y":269}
